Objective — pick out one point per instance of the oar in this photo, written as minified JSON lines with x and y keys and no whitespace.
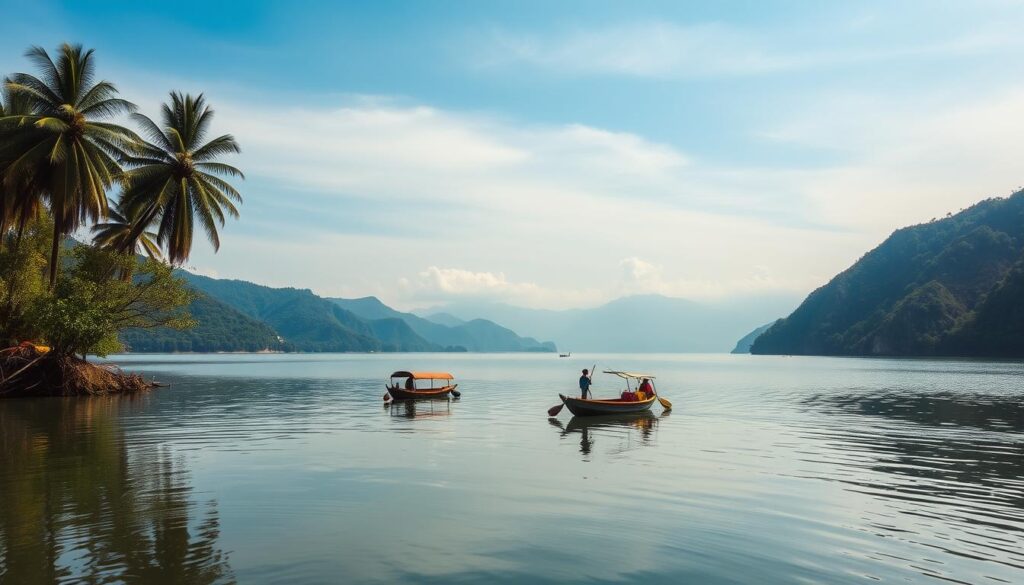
{"x":593,"y":369}
{"x":664,"y":402}
{"x":554,"y":410}
{"x":455,"y":392}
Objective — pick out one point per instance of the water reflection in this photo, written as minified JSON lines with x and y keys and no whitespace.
{"x":626,"y":431}
{"x":78,"y":505}
{"x":420,"y":408}
{"x":939,"y":409}
{"x":955,"y":467}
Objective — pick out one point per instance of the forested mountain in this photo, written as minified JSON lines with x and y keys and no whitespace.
{"x":309,"y":322}
{"x":474,"y":335}
{"x":218,"y":328}
{"x":235,"y":315}
{"x":952,"y":287}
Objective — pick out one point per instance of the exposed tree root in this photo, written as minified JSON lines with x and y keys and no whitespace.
{"x":25,"y":371}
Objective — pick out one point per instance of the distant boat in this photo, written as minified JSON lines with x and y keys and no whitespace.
{"x":412,"y":392}
{"x":565,"y":354}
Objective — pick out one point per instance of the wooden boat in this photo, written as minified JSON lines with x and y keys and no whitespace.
{"x":410,"y":390}
{"x":606,"y":406}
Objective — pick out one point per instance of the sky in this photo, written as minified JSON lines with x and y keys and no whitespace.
{"x":557,"y":155}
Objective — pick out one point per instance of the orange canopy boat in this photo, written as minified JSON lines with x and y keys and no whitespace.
{"x":415,"y":385}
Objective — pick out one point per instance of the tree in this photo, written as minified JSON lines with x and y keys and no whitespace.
{"x":89,"y":308}
{"x":20,"y":199}
{"x":71,"y":154}
{"x":121,"y":232}
{"x":177,"y":180}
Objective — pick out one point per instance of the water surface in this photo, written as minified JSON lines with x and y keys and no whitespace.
{"x":288,"y":468}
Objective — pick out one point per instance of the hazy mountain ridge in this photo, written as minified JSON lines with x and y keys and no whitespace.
{"x":747,"y":341}
{"x":473,"y":335}
{"x":642,"y":323}
{"x":952,"y":287}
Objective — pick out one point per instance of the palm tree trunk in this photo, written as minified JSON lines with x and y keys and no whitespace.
{"x":55,"y":254}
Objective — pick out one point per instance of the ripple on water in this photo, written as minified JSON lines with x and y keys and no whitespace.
{"x":273,"y":469}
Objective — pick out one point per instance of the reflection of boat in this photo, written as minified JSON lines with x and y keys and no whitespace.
{"x":622,"y":405}
{"x":643,"y":420}
{"x":410,"y":390}
{"x":424,"y":409}
{"x":621,"y":427}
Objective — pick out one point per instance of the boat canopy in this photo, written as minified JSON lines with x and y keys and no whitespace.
{"x":629,"y":375}
{"x":424,"y":375}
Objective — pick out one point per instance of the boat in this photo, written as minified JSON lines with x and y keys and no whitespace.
{"x":410,"y":390}
{"x":619,"y":405}
{"x":565,"y":354}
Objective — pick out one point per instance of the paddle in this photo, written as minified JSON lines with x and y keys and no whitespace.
{"x":593,"y":369}
{"x":554,"y":410}
{"x":664,"y":403}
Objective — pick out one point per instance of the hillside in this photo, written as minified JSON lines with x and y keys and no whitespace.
{"x":475,"y":335}
{"x":747,"y":341}
{"x":218,"y":328}
{"x":308,"y":322}
{"x":643,"y":323}
{"x":952,"y":287}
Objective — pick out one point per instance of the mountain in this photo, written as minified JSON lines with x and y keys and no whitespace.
{"x":744,"y":344}
{"x":951,"y":287}
{"x":445,"y":319}
{"x":644,"y":323}
{"x":475,"y":335}
{"x":218,"y":328}
{"x":309,"y":322}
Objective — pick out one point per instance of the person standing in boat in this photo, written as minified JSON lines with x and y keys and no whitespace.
{"x":585,"y":381}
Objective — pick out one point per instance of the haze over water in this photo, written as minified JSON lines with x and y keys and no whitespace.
{"x":288,"y":468}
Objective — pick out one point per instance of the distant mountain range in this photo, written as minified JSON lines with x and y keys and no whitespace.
{"x":473,"y":335}
{"x":235,"y":315}
{"x":952,"y":287}
{"x":643,"y":323}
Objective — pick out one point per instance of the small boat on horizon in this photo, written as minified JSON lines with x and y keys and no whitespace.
{"x":569,"y":354}
{"x":409,"y":390}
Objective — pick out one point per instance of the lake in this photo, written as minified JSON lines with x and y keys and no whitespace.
{"x":289,"y":469}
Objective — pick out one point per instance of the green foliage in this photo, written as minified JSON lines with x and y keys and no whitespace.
{"x":89,"y":306}
{"x":948,"y":287}
{"x":22,"y":279}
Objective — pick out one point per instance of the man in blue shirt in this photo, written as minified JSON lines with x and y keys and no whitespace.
{"x":585,"y":382}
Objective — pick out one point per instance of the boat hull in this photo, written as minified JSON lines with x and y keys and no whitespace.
{"x":581,"y":407}
{"x":403,"y":394}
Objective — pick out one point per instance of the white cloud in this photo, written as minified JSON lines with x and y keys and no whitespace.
{"x":542,"y":215}
{"x":664,"y":49}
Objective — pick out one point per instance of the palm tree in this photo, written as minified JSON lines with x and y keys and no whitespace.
{"x":121,"y":233}
{"x":20,"y":199}
{"x":177,"y":180}
{"x":74,"y":156}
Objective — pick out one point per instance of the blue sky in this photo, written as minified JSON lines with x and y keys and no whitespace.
{"x":562,"y":154}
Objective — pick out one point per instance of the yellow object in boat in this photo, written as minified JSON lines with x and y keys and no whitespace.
{"x":641,"y":395}
{"x":41,"y":348}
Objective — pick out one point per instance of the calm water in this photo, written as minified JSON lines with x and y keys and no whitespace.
{"x":274,"y":469}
